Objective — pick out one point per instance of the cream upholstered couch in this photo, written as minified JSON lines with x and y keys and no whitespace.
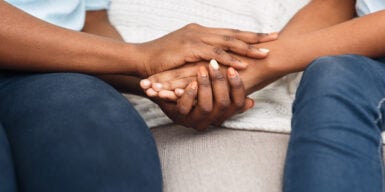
{"x":220,"y":160}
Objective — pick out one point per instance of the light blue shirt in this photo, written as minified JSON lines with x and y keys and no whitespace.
{"x":365,"y":7}
{"x":69,"y":14}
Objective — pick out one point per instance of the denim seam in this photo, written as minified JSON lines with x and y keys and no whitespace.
{"x":380,"y":150}
{"x":382,"y":163}
{"x":380,"y":103}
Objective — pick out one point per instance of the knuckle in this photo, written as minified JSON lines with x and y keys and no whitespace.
{"x":220,"y":77}
{"x":205,"y":110}
{"x":236,"y":84}
{"x":239,"y":104}
{"x":235,"y":30}
{"x":249,"y":49}
{"x":256,"y":38}
{"x":218,"y":51}
{"x":183,"y":110}
{"x":192,"y":26}
{"x":190,"y":92}
{"x":204,"y":83}
{"x":228,"y":38}
{"x":223,"y":104}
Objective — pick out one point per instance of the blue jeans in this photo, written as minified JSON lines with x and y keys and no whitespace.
{"x":67,"y":132}
{"x":338,"y":116}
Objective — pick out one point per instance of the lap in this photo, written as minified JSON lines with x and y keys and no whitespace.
{"x":68,"y":129}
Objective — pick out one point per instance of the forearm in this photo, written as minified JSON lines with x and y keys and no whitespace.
{"x":363,"y":36}
{"x":97,"y":23}
{"x":47,"y":48}
{"x":319,"y":14}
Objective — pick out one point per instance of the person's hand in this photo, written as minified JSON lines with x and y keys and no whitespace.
{"x":194,"y":43}
{"x":210,"y":100}
{"x":170,"y":84}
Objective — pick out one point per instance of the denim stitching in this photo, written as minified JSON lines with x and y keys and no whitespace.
{"x":380,"y":150}
{"x":379,"y":118}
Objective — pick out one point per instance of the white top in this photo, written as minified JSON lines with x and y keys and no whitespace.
{"x":365,"y":7}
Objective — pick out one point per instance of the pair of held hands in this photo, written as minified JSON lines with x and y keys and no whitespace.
{"x":188,"y":89}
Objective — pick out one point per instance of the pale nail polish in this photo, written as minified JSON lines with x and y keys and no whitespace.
{"x":263,"y":50}
{"x":214,"y":64}
{"x":232,"y":72}
{"x":203,"y":71}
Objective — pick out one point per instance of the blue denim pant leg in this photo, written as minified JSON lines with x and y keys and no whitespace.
{"x":336,"y":145}
{"x":7,"y":171}
{"x":74,"y":133}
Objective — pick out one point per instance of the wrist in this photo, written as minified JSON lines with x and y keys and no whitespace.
{"x":262,"y":72}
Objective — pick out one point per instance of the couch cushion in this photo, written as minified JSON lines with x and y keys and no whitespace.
{"x":220,"y":159}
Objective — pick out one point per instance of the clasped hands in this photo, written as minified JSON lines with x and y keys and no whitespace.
{"x":193,"y":92}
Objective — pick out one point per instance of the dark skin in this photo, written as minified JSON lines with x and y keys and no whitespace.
{"x":38,"y":51}
{"x":119,"y":63}
{"x":322,"y":28}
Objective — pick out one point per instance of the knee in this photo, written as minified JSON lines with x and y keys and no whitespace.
{"x":61,"y":96}
{"x":68,"y":92}
{"x":330,"y":70}
{"x":332,"y":74}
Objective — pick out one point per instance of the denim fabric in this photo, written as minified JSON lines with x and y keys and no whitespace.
{"x":336,"y":145}
{"x":68,"y":132}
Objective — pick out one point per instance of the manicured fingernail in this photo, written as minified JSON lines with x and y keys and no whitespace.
{"x":214,"y":64}
{"x":158,"y":86}
{"x":179,"y":92}
{"x":232,"y":73}
{"x":263,"y":50}
{"x":194,"y":85}
{"x":203,"y":71}
{"x":145,"y":83}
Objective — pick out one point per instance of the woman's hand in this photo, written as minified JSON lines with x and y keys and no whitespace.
{"x":209,"y":100}
{"x":170,"y":84}
{"x":194,"y":43}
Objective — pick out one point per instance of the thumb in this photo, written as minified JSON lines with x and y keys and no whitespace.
{"x":249,"y":103}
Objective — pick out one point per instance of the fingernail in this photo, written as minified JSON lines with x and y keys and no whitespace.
{"x":179,"y":92}
{"x":145,"y":83}
{"x":203,"y":71}
{"x":194,"y":85}
{"x":263,"y":50}
{"x":158,"y":86}
{"x":232,"y":73}
{"x":151,"y":93}
{"x":214,"y":64}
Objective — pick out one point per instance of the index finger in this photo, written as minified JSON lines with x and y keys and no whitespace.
{"x":246,"y":36}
